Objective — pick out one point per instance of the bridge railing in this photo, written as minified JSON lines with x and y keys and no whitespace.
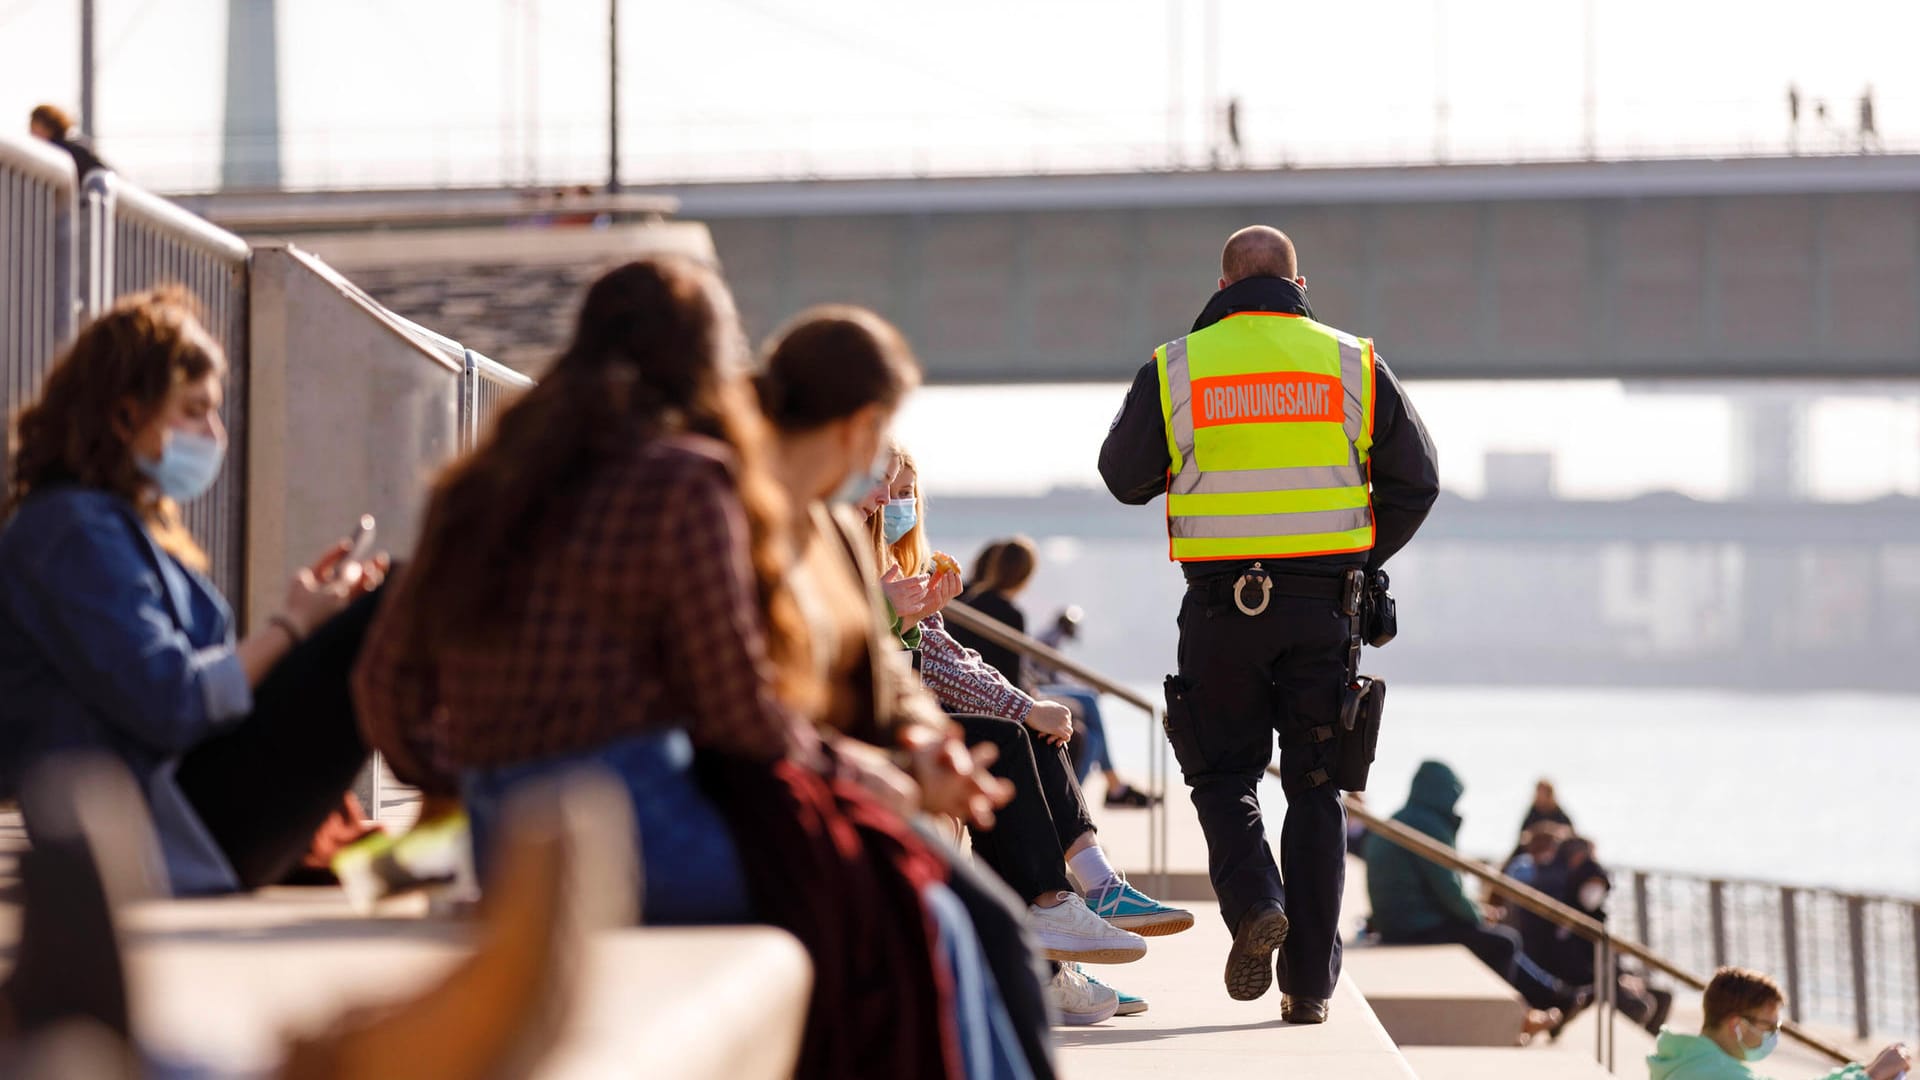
{"x":39,"y":269}
{"x":1846,"y":959}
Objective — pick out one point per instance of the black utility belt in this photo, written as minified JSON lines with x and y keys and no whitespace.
{"x":1218,"y":592}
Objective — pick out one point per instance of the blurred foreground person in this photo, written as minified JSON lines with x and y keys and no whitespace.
{"x":66,"y":1013}
{"x":1742,"y":1026}
{"x":605,"y":581}
{"x":112,"y":639}
{"x":51,"y":123}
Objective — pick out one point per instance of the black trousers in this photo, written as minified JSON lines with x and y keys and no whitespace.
{"x":1499,"y":948}
{"x":1030,"y":835}
{"x":1000,"y":921}
{"x":264,"y":786}
{"x":1246,"y":678}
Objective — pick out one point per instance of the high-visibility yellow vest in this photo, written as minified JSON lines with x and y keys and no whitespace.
{"x":1269,"y":422}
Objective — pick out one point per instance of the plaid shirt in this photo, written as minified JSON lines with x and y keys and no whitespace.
{"x":962,"y":681}
{"x":642,"y":615}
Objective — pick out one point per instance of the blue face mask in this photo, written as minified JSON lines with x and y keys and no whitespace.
{"x":187,"y":467}
{"x":1758,"y":1053}
{"x":897,"y":519}
{"x":857,"y":485}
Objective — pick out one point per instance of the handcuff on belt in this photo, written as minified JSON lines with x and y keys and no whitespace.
{"x":1255,"y":575}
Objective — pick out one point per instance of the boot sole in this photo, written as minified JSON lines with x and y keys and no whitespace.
{"x":1155,"y":925}
{"x":1250,"y":963}
{"x":1072,"y":1019}
{"x":1108,"y":955}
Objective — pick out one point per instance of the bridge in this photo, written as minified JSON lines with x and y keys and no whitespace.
{"x":1757,"y":267}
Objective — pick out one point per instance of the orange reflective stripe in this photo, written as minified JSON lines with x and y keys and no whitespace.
{"x":1268,"y":398}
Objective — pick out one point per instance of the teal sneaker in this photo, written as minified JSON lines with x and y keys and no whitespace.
{"x":1130,"y":909}
{"x":1129,"y":1005}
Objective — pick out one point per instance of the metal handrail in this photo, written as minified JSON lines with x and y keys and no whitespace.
{"x":1560,"y":915}
{"x":1005,"y":636}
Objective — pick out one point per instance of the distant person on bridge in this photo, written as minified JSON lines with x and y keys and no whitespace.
{"x":1793,"y":118}
{"x":1743,"y":1025}
{"x":1869,"y":132}
{"x":1276,"y":439}
{"x":50,"y":122}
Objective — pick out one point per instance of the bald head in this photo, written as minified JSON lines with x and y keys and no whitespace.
{"x":1258,"y":251}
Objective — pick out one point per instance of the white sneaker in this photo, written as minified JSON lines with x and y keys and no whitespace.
{"x":1079,"y":1000}
{"x":1070,"y":931}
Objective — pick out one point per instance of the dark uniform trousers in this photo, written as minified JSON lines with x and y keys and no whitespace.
{"x":1243,"y":679}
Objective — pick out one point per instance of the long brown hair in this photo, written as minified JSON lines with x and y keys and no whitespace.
{"x":133,"y":355}
{"x":657,"y":350}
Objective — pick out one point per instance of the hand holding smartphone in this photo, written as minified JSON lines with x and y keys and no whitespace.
{"x":359,"y":547}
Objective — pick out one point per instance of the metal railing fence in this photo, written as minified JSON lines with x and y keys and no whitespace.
{"x":39,"y":271}
{"x":486,"y":390}
{"x":1608,"y":946}
{"x":1845,"y":959}
{"x":999,"y":633}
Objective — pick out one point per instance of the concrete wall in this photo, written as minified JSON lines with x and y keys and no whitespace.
{"x":349,"y":413}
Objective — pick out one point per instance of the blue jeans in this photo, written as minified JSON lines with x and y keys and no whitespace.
{"x":690,"y":868}
{"x":988,"y":1045}
{"x":1096,"y":752}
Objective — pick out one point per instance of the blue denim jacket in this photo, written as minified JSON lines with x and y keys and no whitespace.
{"x":109,"y":644}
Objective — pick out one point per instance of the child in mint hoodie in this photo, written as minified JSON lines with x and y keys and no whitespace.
{"x":1743,"y":1026}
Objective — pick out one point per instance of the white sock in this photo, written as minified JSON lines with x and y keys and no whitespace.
{"x":1093,"y":869}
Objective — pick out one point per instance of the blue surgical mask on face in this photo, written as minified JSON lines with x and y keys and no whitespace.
{"x":1758,"y":1053}
{"x":857,"y":484}
{"x":188,"y":465}
{"x":897,"y":518}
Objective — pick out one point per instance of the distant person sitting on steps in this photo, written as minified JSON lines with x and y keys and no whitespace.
{"x":1090,"y":746}
{"x":1742,"y":1025}
{"x":1417,"y":902}
{"x":1545,"y":807}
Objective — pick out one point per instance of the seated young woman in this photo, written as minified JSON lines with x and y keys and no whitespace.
{"x":1045,"y":845}
{"x":602,"y":583}
{"x":830,"y":383}
{"x":112,"y":640}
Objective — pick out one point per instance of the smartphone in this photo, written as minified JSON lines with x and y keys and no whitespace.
{"x":359,"y":546}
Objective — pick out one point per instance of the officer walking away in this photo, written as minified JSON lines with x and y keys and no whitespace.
{"x":1294,"y":467}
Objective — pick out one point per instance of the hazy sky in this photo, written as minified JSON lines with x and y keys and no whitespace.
{"x":475,"y":90}
{"x":481,"y":91}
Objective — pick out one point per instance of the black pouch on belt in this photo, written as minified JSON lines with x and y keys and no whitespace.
{"x":1361,"y":708}
{"x":1380,"y":618}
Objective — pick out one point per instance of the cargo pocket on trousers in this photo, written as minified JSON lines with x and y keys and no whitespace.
{"x":1178,"y":722}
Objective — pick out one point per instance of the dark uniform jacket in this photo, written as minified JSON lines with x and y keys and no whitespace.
{"x":1134,"y":460}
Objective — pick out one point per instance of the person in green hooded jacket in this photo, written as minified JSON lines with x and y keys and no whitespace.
{"x":1743,"y":1025}
{"x":1416,"y":902}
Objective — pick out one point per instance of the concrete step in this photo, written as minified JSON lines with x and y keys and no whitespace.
{"x":221,"y":982}
{"x":1513,"y":1063}
{"x":1193,"y":1029}
{"x":1437,"y":995}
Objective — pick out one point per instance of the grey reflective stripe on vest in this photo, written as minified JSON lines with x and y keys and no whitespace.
{"x":1353,"y":376}
{"x":1180,"y":396}
{"x":1235,"y":526}
{"x":1191,"y":481}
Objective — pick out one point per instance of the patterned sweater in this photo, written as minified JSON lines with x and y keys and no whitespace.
{"x":962,"y":681}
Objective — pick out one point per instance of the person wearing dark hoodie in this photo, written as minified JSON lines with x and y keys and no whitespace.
{"x":1416,"y":902}
{"x":1742,"y":1025}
